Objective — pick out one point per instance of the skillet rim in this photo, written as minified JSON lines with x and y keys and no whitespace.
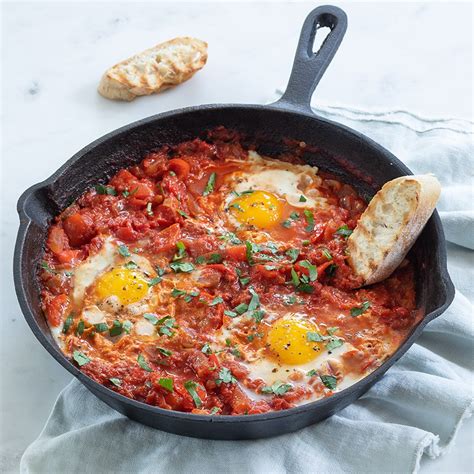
{"x":364,"y":384}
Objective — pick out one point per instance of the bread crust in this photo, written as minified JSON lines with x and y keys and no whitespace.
{"x":390,"y":225}
{"x":155,"y":69}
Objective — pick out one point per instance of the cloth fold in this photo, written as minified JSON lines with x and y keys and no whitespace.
{"x":416,"y":409}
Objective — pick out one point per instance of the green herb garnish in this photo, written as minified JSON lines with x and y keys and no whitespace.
{"x":80,"y":328}
{"x":68,"y":322}
{"x":164,"y":351}
{"x":344,"y":231}
{"x":166,"y":383}
{"x":309,"y":220}
{"x":116,"y":328}
{"x":152,"y":318}
{"x":278,"y":388}
{"x":225,"y":376}
{"x":181,"y":253}
{"x":329,"y":381}
{"x":109,"y":190}
{"x":210,"y":184}
{"x":143,"y":363}
{"x":216,"y":300}
{"x":123,"y":250}
{"x":182,"y":267}
{"x":358,"y":310}
{"x":293,"y":254}
{"x":117,"y":382}
{"x":101,"y":327}
{"x":191,"y":386}
{"x":80,"y":358}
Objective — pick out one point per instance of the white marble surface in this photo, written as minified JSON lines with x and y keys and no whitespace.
{"x":394,"y":56}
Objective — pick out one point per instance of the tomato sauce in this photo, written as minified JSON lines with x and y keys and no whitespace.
{"x":173,"y":220}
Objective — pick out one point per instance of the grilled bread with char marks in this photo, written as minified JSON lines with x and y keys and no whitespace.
{"x":390,"y":225}
{"x":153,"y":70}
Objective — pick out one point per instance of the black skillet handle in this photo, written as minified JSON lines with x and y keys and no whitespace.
{"x":309,"y":67}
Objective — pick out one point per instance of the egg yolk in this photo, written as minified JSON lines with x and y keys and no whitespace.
{"x":258,"y":208}
{"x":129,"y":286}
{"x":288,"y":340}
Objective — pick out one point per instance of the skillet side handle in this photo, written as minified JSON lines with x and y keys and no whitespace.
{"x":309,"y":67}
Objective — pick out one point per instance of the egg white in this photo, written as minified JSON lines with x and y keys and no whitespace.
{"x":284,"y":180}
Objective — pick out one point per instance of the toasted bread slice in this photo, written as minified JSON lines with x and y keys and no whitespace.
{"x":390,"y":225}
{"x":153,"y":70}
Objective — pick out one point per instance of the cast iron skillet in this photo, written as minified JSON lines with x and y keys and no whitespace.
{"x":351,"y":156}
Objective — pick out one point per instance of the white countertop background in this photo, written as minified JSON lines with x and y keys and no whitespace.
{"x":414,"y":56}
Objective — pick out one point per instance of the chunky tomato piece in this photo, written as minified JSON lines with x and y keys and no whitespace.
{"x":179,"y":167}
{"x":56,"y":309}
{"x":79,"y":229}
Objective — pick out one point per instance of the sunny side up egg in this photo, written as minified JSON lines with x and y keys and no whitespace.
{"x":290,"y":350}
{"x":265,"y":194}
{"x":113,"y":282}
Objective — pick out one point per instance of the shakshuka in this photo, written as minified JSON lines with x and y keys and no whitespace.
{"x":211,"y":279}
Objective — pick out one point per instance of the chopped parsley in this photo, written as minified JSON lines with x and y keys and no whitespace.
{"x":131,"y":265}
{"x":327,"y":254}
{"x":80,"y":358}
{"x":312,"y":373}
{"x":166,"y":325}
{"x":155,"y":281}
{"x":176,"y":293}
{"x":127,"y":193}
{"x":241,"y":308}
{"x":277,"y":388}
{"x":206,"y":349}
{"x":101,"y":327}
{"x":164,"y":351}
{"x":182,"y":267}
{"x":216,"y":300}
{"x":191,"y":386}
{"x":358,"y":310}
{"x":329,"y":381}
{"x":152,"y":318}
{"x":286,"y":223}
{"x":302,"y":199}
{"x":166,"y":383}
{"x":314,"y":336}
{"x":344,"y":231}
{"x":333,"y":343}
{"x":68,"y":323}
{"x":309,"y":220}
{"x":212,"y":258}
{"x":244,"y":281}
{"x":250,"y":250}
{"x":117,"y":382}
{"x":254,"y":301}
{"x":108,"y":190}
{"x":127,"y":325}
{"x":225,"y":376}
{"x":210,"y":184}
{"x":123,"y":250}
{"x":116,"y":328}
{"x":332,"y":330}
{"x":312,"y":269}
{"x":293,"y":254}
{"x":181,"y":253}
{"x":230,"y":237}
{"x":143,"y":363}
{"x":80,"y":328}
